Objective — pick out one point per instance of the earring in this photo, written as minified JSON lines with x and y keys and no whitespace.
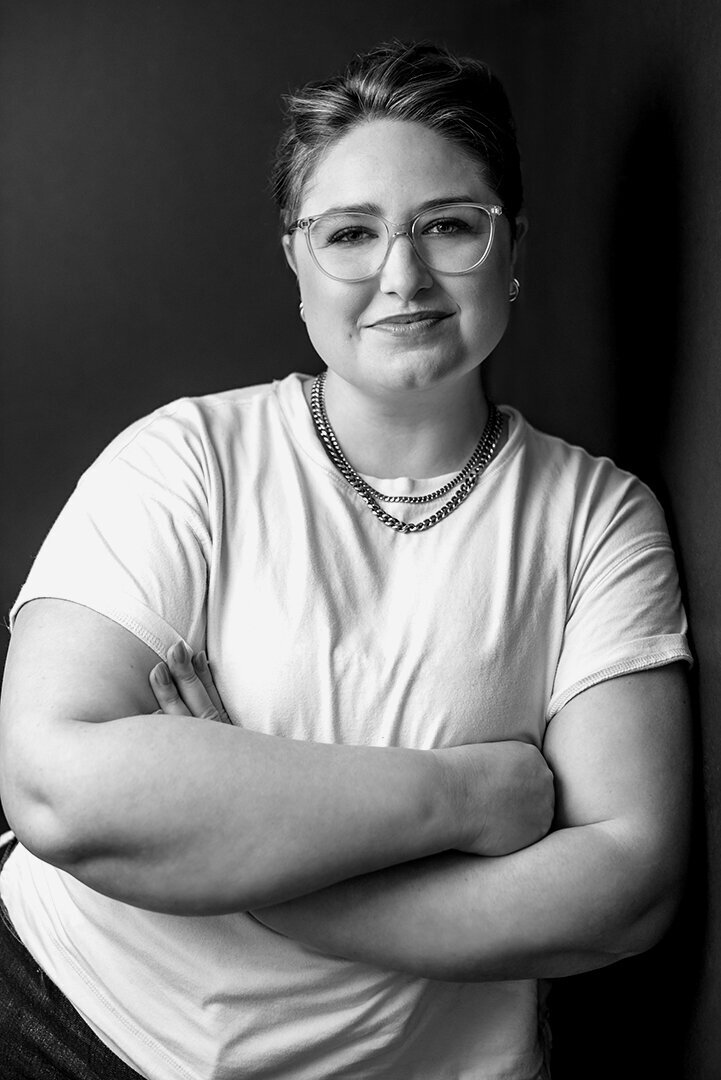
{"x":301,"y":311}
{"x":514,"y":290}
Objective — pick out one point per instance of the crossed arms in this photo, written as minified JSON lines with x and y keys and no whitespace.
{"x":438,"y":863}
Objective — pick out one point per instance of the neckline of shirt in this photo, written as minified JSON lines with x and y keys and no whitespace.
{"x":294,"y":406}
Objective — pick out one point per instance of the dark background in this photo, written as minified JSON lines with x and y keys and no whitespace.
{"x":138,"y":263}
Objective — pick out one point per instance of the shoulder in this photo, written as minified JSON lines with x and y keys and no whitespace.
{"x":199,"y":429}
{"x":563,"y":461}
{"x":196,"y":416}
{"x":590,"y":491}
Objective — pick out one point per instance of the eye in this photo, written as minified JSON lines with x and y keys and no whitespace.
{"x":445,"y":226}
{"x":351,"y":234}
{"x":345,"y":230}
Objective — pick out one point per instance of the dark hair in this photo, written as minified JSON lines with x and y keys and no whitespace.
{"x":458,"y":97}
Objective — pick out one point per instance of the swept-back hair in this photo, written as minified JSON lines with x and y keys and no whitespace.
{"x":458,"y":97}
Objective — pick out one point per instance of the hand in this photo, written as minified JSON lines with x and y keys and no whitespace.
{"x":184,"y":686}
{"x":506,"y":795}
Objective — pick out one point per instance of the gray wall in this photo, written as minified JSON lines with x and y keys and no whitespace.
{"x":617,"y":347}
{"x":137,"y":264}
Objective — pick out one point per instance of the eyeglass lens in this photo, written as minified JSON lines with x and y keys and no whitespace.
{"x":449,"y":239}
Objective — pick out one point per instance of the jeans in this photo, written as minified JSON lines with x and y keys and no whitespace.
{"x":42,"y":1037}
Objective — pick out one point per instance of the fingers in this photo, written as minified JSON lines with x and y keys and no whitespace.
{"x":184,"y":686}
{"x":202,"y":670}
{"x":166,"y":692}
{"x":177,"y":687}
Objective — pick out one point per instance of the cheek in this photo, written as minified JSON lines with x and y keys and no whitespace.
{"x":486,"y":299}
{"x":331,"y":321}
{"x":497,"y":280}
{"x":485,"y":312}
{"x":331,"y":308}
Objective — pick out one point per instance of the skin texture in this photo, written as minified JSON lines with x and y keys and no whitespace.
{"x":178,"y":812}
{"x":602,"y":885}
{"x":182,"y":814}
{"x":403,"y":405}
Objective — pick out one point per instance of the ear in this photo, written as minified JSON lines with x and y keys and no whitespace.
{"x":287,"y":243}
{"x":521,"y":230}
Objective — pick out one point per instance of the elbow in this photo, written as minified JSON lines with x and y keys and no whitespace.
{"x":643,"y":913}
{"x":88,"y":852}
{"x":40,"y":814}
{"x":41,"y":829}
{"x":649,"y":924}
{"x":55,"y":798}
{"x":646,"y":885}
{"x":626,"y":920}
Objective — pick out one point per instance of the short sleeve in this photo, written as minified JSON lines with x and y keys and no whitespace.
{"x":133,"y":542}
{"x":624,"y":610}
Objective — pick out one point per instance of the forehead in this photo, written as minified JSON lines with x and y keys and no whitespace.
{"x":395,"y":166}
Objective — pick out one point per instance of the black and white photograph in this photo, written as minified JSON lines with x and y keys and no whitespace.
{"x":361,"y":465}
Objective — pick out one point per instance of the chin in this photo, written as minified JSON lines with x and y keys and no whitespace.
{"x":419,"y":372}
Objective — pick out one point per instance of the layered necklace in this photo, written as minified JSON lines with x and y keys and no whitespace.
{"x":463,"y":482}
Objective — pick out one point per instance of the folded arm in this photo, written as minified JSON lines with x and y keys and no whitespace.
{"x":603,"y":885}
{"x":177,"y":813}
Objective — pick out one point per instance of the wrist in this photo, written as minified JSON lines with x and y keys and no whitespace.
{"x":456,"y":789}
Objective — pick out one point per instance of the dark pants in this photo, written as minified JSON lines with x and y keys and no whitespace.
{"x":42,"y":1037}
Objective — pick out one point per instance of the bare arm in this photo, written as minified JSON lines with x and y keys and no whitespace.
{"x":602,"y":886}
{"x":179,"y":814}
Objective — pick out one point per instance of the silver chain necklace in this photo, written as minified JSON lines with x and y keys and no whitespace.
{"x":464,"y":481}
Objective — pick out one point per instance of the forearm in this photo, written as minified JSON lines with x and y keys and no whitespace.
{"x":579,"y":899}
{"x":183,"y":815}
{"x":177,"y":812}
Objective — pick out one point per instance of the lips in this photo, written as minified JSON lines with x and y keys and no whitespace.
{"x":410,"y":318}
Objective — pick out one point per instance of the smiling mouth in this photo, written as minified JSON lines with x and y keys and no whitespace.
{"x":410,"y":322}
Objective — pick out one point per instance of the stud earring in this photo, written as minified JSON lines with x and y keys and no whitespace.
{"x":301,"y":311}
{"x":514,"y":290}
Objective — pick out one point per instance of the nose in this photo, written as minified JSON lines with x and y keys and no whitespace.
{"x":403,"y":273}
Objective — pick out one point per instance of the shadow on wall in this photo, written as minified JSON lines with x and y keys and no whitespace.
{"x":645,"y":266}
{"x":626,"y":1021}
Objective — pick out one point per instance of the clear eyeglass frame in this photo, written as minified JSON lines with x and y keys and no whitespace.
{"x":394,"y":229}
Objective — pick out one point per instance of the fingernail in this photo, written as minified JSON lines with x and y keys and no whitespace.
{"x":162,"y":674}
{"x":200,"y":661}
{"x":179,"y":652}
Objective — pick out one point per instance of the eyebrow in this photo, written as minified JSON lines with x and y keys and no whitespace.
{"x":374,"y":208}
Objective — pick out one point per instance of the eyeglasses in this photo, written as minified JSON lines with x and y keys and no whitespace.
{"x":451,"y":239}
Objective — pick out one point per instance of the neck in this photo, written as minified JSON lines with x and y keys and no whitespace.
{"x":420,"y":433}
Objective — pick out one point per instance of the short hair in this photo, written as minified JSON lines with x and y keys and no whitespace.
{"x":458,"y":97}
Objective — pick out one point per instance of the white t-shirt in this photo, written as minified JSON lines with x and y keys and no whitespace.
{"x":221,"y":520}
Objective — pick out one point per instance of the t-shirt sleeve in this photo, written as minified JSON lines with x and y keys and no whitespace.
{"x":624,"y":610}
{"x":133,"y":542}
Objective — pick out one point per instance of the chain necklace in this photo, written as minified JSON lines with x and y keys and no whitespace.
{"x":464,"y":481}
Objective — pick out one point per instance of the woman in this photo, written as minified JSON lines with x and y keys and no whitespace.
{"x":284,"y":870}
